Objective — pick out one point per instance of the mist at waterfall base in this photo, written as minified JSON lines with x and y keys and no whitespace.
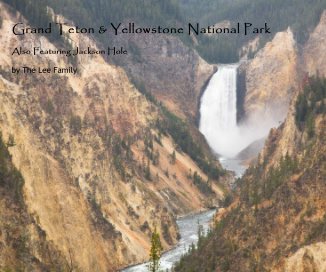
{"x":218,"y":118}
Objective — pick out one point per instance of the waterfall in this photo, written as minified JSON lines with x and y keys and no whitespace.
{"x":218,"y":121}
{"x":218,"y":112}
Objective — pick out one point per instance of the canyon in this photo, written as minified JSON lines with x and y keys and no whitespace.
{"x":275,"y":220}
{"x":97,"y":171}
{"x":112,"y":151}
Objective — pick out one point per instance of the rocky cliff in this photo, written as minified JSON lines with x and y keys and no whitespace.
{"x":169,"y":69}
{"x":276,"y":219}
{"x":98,"y":173}
{"x":314,"y":50}
{"x":270,"y":78}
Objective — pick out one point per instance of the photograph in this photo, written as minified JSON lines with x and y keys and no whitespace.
{"x":163,"y":136}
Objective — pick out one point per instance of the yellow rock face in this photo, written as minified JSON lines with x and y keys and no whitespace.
{"x":270,"y":79}
{"x":314,"y":51}
{"x":314,"y":62}
{"x":307,"y":259}
{"x":92,"y":215}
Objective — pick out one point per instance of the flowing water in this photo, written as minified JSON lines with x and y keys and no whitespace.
{"x":218,"y":123}
{"x":218,"y":111}
{"x":233,"y":143}
{"x":188,"y":228}
{"x":218,"y":118}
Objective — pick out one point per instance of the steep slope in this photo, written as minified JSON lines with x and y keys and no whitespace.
{"x":276,"y":220}
{"x":171,"y":71}
{"x":163,"y":64}
{"x":18,"y":229}
{"x":314,"y":56}
{"x":270,"y":79}
{"x":280,"y":207}
{"x":98,"y":172}
{"x":265,"y":86}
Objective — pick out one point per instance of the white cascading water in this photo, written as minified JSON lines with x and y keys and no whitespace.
{"x":218,"y":119}
{"x":218,"y":112}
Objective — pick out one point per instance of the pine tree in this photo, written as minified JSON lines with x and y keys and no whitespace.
{"x":11,"y":141}
{"x":173,"y":157}
{"x":148,"y":171}
{"x":155,"y":252}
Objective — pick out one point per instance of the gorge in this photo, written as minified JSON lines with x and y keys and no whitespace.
{"x":93,"y":163}
{"x":275,"y":220}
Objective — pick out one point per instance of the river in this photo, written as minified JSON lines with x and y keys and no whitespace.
{"x":188,"y":228}
{"x":218,"y":123}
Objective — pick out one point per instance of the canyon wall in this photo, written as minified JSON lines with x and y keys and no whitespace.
{"x":276,"y":219}
{"x":171,"y":71}
{"x":82,"y":144}
{"x":314,"y":50}
{"x":270,"y":79}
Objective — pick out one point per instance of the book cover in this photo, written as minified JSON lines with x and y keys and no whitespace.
{"x":175,"y":135}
